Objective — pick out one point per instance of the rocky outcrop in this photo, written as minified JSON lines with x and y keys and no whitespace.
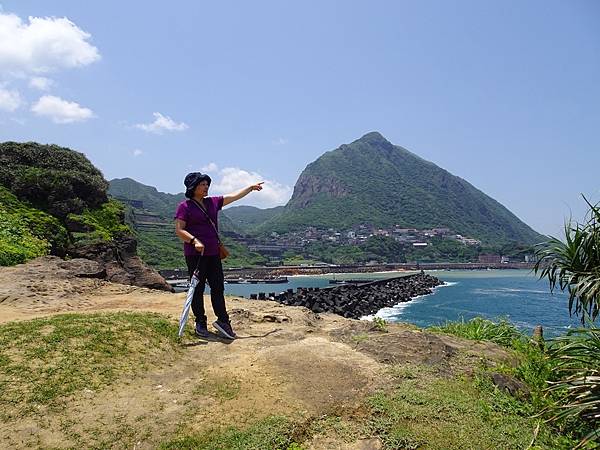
{"x":355,"y":301}
{"x":309,"y":186}
{"x":511,"y":385}
{"x":121,"y":263}
{"x":80,"y":268}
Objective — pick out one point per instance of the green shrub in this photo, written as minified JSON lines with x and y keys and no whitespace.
{"x":104,"y":223}
{"x":26,"y":233}
{"x":380,"y":324}
{"x":17,"y":243}
{"x":54,"y":179}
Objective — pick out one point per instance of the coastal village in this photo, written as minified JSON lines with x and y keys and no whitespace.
{"x":278,"y":243}
{"x":275,"y":245}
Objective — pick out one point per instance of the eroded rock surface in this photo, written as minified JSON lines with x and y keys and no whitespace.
{"x":121,"y":263}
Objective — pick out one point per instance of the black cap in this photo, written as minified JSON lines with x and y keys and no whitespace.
{"x":192,"y":180}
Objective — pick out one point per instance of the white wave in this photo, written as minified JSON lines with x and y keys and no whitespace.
{"x":386,"y":272}
{"x":308,"y":275}
{"x":506,"y":292}
{"x":394,"y":311}
{"x":495,"y":292}
{"x":389,"y":313}
{"x":529,"y":291}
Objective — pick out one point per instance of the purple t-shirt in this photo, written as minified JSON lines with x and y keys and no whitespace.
{"x":198,"y":225}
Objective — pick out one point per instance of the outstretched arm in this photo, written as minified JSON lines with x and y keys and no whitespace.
{"x":229,"y":198}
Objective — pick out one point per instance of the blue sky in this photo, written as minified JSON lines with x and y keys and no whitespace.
{"x":504,"y":94}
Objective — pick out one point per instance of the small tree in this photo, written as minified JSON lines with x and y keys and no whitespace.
{"x":574,"y":265}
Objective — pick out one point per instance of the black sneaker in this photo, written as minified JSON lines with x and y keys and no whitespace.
{"x":224,"y":328}
{"x":202,"y":330}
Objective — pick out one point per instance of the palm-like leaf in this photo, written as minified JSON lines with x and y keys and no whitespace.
{"x":574,"y":265}
{"x":578,"y":373}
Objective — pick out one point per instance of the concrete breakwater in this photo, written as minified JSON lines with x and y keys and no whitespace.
{"x":355,"y":301}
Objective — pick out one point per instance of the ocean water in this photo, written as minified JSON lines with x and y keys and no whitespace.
{"x":516,"y":295}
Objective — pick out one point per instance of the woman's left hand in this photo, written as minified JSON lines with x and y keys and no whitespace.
{"x":257,"y":186}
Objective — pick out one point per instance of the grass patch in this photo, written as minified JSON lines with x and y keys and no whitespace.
{"x":421,"y":409}
{"x":43,"y":361}
{"x":222,"y":389}
{"x":424,"y":410}
{"x":359,"y":337}
{"x":479,"y":329}
{"x":341,"y":428}
{"x":274,"y":432}
{"x":534,"y":367}
{"x":540,"y":367}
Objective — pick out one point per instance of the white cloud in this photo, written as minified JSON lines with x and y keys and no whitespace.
{"x":9,"y":100}
{"x":162,"y":123}
{"x":211,"y":167}
{"x":280,"y":141}
{"x":44,"y":44}
{"x":232,"y":179}
{"x":61,"y":111}
{"x":137,"y":152}
{"x":41,"y":83}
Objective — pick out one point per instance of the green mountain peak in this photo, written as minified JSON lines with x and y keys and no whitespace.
{"x":374,"y":182}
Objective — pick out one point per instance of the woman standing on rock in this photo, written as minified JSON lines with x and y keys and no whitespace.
{"x":196,"y":225}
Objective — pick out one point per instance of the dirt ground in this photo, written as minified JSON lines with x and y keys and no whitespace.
{"x":287,"y":360}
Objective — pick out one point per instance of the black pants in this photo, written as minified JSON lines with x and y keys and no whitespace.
{"x":209,"y":268}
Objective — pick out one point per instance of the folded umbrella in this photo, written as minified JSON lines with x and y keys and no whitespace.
{"x":188,"y":303}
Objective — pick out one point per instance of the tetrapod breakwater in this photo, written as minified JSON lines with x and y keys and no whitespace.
{"x":357,"y":300}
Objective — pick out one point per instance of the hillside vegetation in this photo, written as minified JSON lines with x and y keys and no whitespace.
{"x":151,"y":218}
{"x":155,"y":202}
{"x":160,"y":203}
{"x":248,"y":218}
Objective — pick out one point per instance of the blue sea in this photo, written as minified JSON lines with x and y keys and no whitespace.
{"x":516,"y":295}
